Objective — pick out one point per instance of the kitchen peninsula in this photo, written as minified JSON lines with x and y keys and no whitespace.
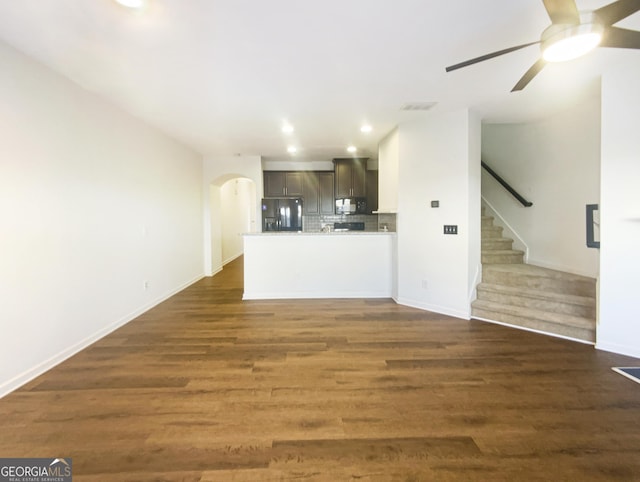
{"x":354,"y":264}
{"x":320,"y":236}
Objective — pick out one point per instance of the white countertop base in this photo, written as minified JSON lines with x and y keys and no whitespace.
{"x":306,"y":265}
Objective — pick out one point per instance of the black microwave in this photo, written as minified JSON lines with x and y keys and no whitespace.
{"x":351,"y":205}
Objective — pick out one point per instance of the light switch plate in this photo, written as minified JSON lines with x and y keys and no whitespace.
{"x":450,"y":229}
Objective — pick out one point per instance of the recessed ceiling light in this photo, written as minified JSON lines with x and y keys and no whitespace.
{"x":132,"y":3}
{"x":352,"y":149}
{"x":287,"y":128}
{"x":292,"y":149}
{"x":366,"y":128}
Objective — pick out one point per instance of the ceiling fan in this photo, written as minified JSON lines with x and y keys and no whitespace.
{"x":573,"y":33}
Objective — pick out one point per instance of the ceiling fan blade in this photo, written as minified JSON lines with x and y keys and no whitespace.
{"x":616,"y":11}
{"x":621,"y":38}
{"x":529,"y":75}
{"x":562,"y":11}
{"x":482,"y":58}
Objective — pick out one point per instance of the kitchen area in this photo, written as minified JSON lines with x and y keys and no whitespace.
{"x":322,"y":236}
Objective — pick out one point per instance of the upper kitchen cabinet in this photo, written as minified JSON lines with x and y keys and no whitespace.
{"x":283,"y":184}
{"x":350,"y":177}
{"x":317,"y":192}
{"x":372,"y":191}
{"x":310,"y":193}
{"x":326,"y":190}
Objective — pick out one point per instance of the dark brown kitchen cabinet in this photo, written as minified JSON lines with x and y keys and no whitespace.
{"x":317,"y":191}
{"x":310,"y":193}
{"x":326,"y":197}
{"x":350,"y":177}
{"x":283,"y":184}
{"x":293,"y":184}
{"x":372,"y":191}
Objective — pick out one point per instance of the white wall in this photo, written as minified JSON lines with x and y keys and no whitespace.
{"x":388,"y":165}
{"x":293,"y":165}
{"x":93,"y":203}
{"x":554,"y":163}
{"x":297,"y":165}
{"x":474,"y":262}
{"x":238,"y":215}
{"x":619,"y":310}
{"x":317,"y":265}
{"x":439,"y":160}
{"x":217,"y":171}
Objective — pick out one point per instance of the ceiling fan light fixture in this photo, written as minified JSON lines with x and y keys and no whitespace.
{"x":572,"y":42}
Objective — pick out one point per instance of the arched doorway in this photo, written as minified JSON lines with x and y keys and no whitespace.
{"x":232,"y":212}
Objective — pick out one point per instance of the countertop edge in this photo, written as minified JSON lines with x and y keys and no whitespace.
{"x":332,"y":233}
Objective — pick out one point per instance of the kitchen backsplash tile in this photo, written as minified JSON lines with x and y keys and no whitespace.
{"x":388,"y":220}
{"x":314,"y":224}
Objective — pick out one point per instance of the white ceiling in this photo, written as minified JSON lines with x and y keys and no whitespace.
{"x":222,"y":75}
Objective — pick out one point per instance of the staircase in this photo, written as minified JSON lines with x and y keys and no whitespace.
{"x":529,"y":296}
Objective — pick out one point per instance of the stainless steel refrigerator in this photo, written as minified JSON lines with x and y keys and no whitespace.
{"x":281,"y":214}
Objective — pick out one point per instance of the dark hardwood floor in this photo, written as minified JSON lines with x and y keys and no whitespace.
{"x":206,"y":387}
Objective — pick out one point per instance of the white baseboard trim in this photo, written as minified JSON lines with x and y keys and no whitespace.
{"x":533,"y":330}
{"x":443,"y":310}
{"x":232,"y":258}
{"x":632,"y":351}
{"x":34,"y":372}
{"x":264,"y":295}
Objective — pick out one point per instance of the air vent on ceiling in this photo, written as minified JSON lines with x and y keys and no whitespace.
{"x":418,"y":105}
